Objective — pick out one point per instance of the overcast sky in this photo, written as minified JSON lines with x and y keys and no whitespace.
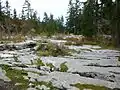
{"x":56,"y":7}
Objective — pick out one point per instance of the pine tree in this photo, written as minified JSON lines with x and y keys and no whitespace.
{"x":34,"y":17}
{"x":60,"y":25}
{"x":70,"y":18}
{"x":116,"y":24}
{"x":14,"y":14}
{"x":27,"y":9}
{"x":7,"y":9}
{"x":73,"y":19}
{"x":0,"y":7}
{"x":88,"y":19}
{"x":45,"y":18}
{"x":23,"y":15}
{"x":1,"y":12}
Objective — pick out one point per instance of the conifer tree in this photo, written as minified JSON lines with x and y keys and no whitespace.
{"x":14,"y":14}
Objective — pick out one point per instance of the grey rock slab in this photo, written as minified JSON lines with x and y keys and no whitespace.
{"x":58,"y":42}
{"x":84,"y":47}
{"x":27,"y":59}
{"x":60,"y":79}
{"x":6,"y":56}
{"x":35,"y":70}
{"x":18,"y":46}
{"x":80,"y":64}
{"x":33,"y":75}
{"x":31,"y":89}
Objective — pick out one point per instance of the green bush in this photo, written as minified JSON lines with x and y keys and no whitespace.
{"x":49,"y":49}
{"x":40,"y":63}
{"x":63,"y":67}
{"x":50,"y":65}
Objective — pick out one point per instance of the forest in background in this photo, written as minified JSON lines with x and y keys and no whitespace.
{"x":93,"y":19}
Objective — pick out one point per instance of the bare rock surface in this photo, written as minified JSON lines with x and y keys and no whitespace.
{"x":88,"y":65}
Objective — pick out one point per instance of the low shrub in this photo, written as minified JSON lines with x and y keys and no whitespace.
{"x":63,"y":67}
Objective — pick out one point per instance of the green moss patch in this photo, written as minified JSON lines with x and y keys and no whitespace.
{"x":90,"y":86}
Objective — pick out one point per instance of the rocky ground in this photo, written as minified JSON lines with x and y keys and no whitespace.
{"x":86,"y":67}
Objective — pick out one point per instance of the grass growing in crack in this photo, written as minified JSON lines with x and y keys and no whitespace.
{"x":16,"y":76}
{"x":50,"y":65}
{"x":39,"y":62}
{"x":16,"y":58}
{"x":90,"y":86}
{"x":63,"y":67}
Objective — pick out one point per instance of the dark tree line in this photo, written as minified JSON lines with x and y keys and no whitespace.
{"x":94,"y":18}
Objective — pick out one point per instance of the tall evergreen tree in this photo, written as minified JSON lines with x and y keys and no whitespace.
{"x":116,"y":24}
{"x":14,"y":14}
{"x":70,"y":18}
{"x":45,"y":18}
{"x":7,"y":8}
{"x":27,"y":9}
{"x":23,"y":15}
{"x":73,"y":19}
{"x":88,"y":19}
{"x":1,"y":12}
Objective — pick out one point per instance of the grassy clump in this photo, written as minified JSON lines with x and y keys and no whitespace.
{"x":63,"y":67}
{"x":44,"y":53}
{"x":50,"y":65}
{"x":90,"y":86}
{"x":39,"y":62}
{"x":50,"y":49}
{"x":16,"y":76}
